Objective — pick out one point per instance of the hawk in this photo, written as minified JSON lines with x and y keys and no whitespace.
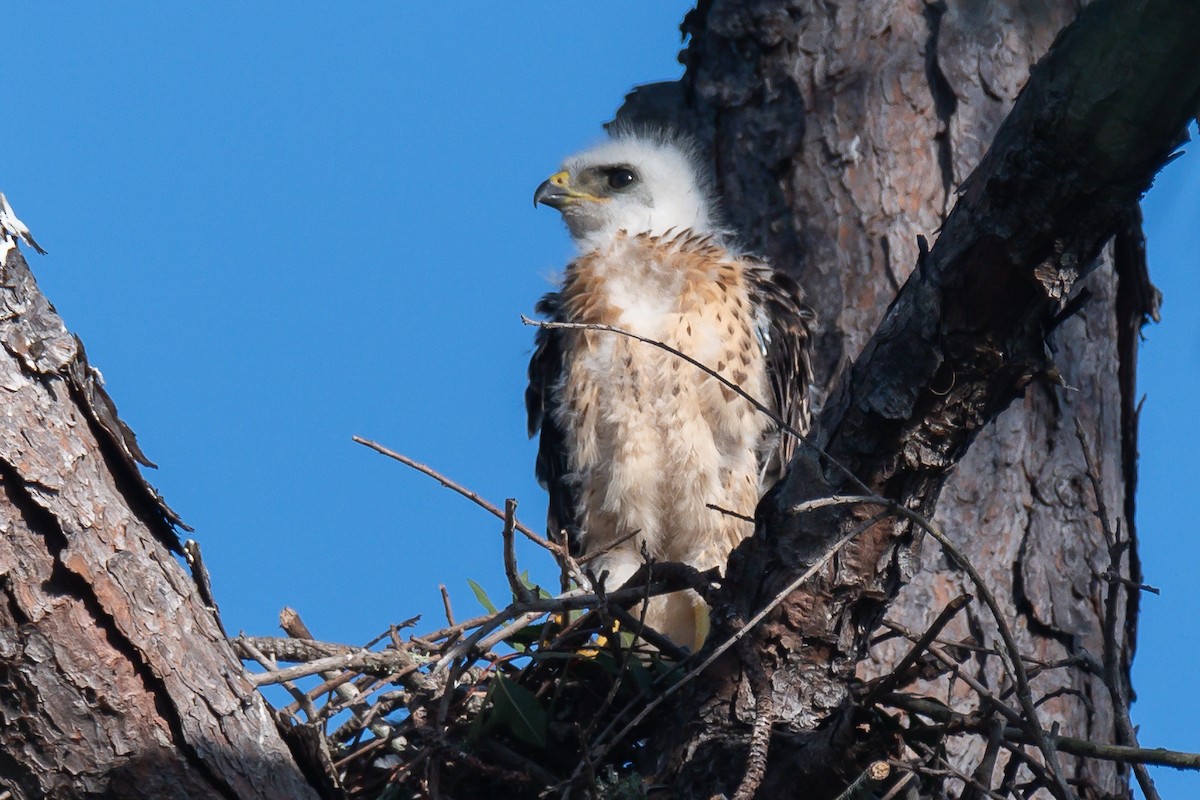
{"x":635,"y":443}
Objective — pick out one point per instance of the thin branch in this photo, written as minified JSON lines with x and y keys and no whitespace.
{"x":864,"y":785}
{"x":519,"y":589}
{"x":594,"y":554}
{"x":446,"y":604}
{"x":1113,"y":676}
{"x":247,"y":646}
{"x":1067,"y":744}
{"x":364,"y":660}
{"x":296,"y":651}
{"x":638,"y":627}
{"x":899,"y":785}
{"x":729,"y":512}
{"x":982,"y":776}
{"x":712,"y":373}
{"x":968,"y":781}
{"x":1015,"y":666}
{"x":834,"y":500}
{"x":892,"y":680}
{"x":675,"y":577}
{"x":720,"y":649}
{"x":1109,"y":575}
{"x":984,"y":693}
{"x":529,"y":534}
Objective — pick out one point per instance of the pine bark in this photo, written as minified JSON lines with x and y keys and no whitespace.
{"x":115,"y":678}
{"x":842,"y":132}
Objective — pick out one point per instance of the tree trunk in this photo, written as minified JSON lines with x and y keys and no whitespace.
{"x":115,"y":678}
{"x":842,"y":132}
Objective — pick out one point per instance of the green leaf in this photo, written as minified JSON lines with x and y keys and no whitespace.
{"x":528,"y":583}
{"x":641,"y":675}
{"x":517,"y":709}
{"x":525,"y":637}
{"x":481,"y":596}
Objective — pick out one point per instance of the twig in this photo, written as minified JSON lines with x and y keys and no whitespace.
{"x":1067,"y":744}
{"x":364,"y":660}
{"x":520,"y":591}
{"x":729,"y":512}
{"x":678,"y":577}
{"x":1112,"y":668}
{"x":520,"y":622}
{"x":968,"y":781}
{"x":720,"y":649}
{"x":268,"y":663}
{"x":427,"y":641}
{"x":739,"y":391}
{"x":1015,"y":666}
{"x":638,"y":627}
{"x":899,"y":785}
{"x":594,"y":554}
{"x":981,"y":690}
{"x":1109,"y":575}
{"x":982,"y":775}
{"x":296,"y":651}
{"x":892,"y":680}
{"x":835,"y":500}
{"x":446,"y":604}
{"x":864,"y":785}
{"x":465,"y":492}
{"x":518,"y":762}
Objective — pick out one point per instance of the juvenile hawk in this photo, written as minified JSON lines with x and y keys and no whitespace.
{"x":633,"y":438}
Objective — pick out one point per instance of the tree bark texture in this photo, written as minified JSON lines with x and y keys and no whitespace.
{"x":115,"y":679}
{"x":842,"y":132}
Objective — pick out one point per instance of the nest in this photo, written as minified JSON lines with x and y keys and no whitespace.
{"x":545,"y":694}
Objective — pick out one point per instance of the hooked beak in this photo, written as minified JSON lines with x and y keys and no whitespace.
{"x":557,"y":193}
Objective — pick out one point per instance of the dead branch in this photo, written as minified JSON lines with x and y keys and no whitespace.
{"x":865,"y":784}
{"x":889,"y":683}
{"x":1113,"y":677}
{"x":529,"y":534}
{"x":520,"y":591}
{"x":1065,"y":744}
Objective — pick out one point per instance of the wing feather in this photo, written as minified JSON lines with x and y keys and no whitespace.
{"x":546,"y":369}
{"x":784,"y":327}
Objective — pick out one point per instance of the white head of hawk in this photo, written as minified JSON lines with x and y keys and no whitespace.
{"x":636,"y":444}
{"x":649,"y":183}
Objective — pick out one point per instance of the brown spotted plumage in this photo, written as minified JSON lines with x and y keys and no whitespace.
{"x":633,"y":438}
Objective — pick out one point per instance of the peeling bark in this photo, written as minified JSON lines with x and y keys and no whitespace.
{"x":115,"y":679}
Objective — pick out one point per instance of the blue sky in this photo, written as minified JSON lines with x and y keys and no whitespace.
{"x":278,"y":226}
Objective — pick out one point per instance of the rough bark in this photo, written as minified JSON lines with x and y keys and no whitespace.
{"x":841,"y":133}
{"x":115,"y":679}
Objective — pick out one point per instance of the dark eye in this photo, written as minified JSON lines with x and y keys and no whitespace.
{"x":621,"y":177}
